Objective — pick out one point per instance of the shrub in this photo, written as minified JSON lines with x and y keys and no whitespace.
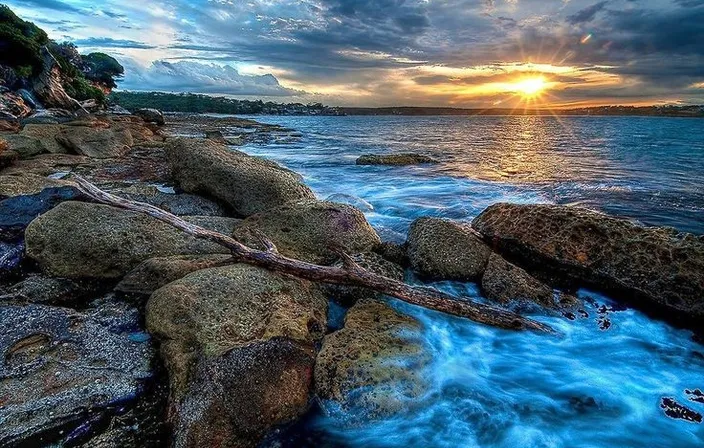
{"x":20,"y":42}
{"x":80,"y":89}
{"x":101,"y":68}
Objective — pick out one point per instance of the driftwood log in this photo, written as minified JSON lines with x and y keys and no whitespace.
{"x":350,"y":274}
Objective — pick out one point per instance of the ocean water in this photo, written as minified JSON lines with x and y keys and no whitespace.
{"x":590,"y":386}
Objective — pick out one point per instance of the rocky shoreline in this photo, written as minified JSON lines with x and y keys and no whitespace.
{"x":122,"y":331}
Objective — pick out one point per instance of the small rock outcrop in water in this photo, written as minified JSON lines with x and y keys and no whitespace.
{"x":504,"y":283}
{"x":394,"y":159}
{"x":657,"y":265}
{"x":247,"y":184}
{"x":77,"y":240}
{"x":443,"y":249}
{"x":372,"y":367}
{"x":156,"y":272}
{"x":243,"y":330}
{"x":62,"y":369}
{"x":308,"y":230}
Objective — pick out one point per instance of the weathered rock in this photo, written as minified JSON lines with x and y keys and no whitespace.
{"x":308,"y":230}
{"x":46,"y":134}
{"x":506,"y":283}
{"x":49,"y":116}
{"x":151,"y":116}
{"x":18,"y":184}
{"x":7,"y":156}
{"x":178,"y":204}
{"x":247,"y":184}
{"x":8,"y":123}
{"x":372,"y":368}
{"x":12,"y":105}
{"x":62,"y":369}
{"x":116,"y":109}
{"x":77,"y":240}
{"x":47,"y":86}
{"x":23,"y":145}
{"x":97,"y":142}
{"x":17,"y":212}
{"x":44,"y":290}
{"x":11,"y":256}
{"x":443,"y":249}
{"x":349,"y":295}
{"x":238,"y":344}
{"x":395,"y":253}
{"x":654,"y":266}
{"x":216,"y":135}
{"x":394,"y":159}
{"x":156,"y":272}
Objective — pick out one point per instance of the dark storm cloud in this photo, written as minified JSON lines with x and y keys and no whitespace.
{"x":587,"y":14}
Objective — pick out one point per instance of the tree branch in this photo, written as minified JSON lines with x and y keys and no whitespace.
{"x":350,"y":274}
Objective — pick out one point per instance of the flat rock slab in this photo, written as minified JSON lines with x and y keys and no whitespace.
{"x":69,"y":365}
{"x":395,"y":159}
{"x":653,"y":266}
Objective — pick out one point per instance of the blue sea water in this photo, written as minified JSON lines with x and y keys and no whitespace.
{"x":587,"y":387}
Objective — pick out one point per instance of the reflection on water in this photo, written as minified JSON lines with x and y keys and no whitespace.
{"x":594,"y":385}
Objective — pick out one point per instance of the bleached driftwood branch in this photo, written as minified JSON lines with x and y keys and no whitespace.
{"x":349,"y":274}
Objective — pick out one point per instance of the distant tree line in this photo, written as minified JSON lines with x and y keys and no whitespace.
{"x":197,"y":103}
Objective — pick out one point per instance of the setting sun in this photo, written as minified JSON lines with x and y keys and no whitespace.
{"x":530,"y":87}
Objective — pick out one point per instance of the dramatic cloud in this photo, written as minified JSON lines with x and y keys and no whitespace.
{"x":390,"y":52}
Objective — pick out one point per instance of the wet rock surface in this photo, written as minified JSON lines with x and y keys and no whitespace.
{"x":651,"y":266}
{"x":76,"y":368}
{"x":373,"y":367}
{"x":506,"y":283}
{"x":310,"y":230}
{"x":111,"y":241}
{"x":17,"y":212}
{"x":247,"y":184}
{"x":395,"y":159}
{"x":349,"y":295}
{"x":154,"y":273}
{"x":443,"y":249}
{"x":217,"y":323}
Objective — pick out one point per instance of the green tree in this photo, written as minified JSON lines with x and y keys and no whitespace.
{"x":102,"y":68}
{"x":20,"y":43}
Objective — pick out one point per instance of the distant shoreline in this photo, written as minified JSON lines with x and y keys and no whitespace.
{"x":643,"y":111}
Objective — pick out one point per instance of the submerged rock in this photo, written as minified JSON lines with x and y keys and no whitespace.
{"x":506,"y":283}
{"x":372,"y":368}
{"x":443,"y":249}
{"x":654,"y":266}
{"x":156,"y":272}
{"x":309,"y":230}
{"x":62,"y":371}
{"x":247,"y":184}
{"x":238,"y":343}
{"x":78,"y":239}
{"x":394,"y":159}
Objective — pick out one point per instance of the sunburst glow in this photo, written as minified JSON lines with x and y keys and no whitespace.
{"x":530,"y":87}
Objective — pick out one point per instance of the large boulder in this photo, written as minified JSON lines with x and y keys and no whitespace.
{"x":46,"y":134}
{"x":25,"y":146}
{"x":656,"y":267}
{"x":444,"y":249}
{"x":372,"y":368}
{"x":99,"y":142}
{"x":151,"y":116}
{"x":156,"y":272}
{"x":310,"y":230}
{"x":62,"y":370}
{"x":81,"y":240}
{"x":238,"y":343}
{"x":247,"y":184}
{"x":506,"y":283}
{"x":395,"y":159}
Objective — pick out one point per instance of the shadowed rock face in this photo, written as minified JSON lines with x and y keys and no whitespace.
{"x":61,"y":369}
{"x":372,"y":367}
{"x":238,"y":343}
{"x":506,"y":283}
{"x":247,"y":184}
{"x":81,"y":240}
{"x":579,"y":246}
{"x":443,"y":249}
{"x":307,"y":230}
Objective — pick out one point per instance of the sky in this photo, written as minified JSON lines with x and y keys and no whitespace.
{"x":458,"y":53}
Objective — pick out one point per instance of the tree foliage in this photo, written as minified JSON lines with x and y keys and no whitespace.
{"x":20,"y":43}
{"x":102,"y":68}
